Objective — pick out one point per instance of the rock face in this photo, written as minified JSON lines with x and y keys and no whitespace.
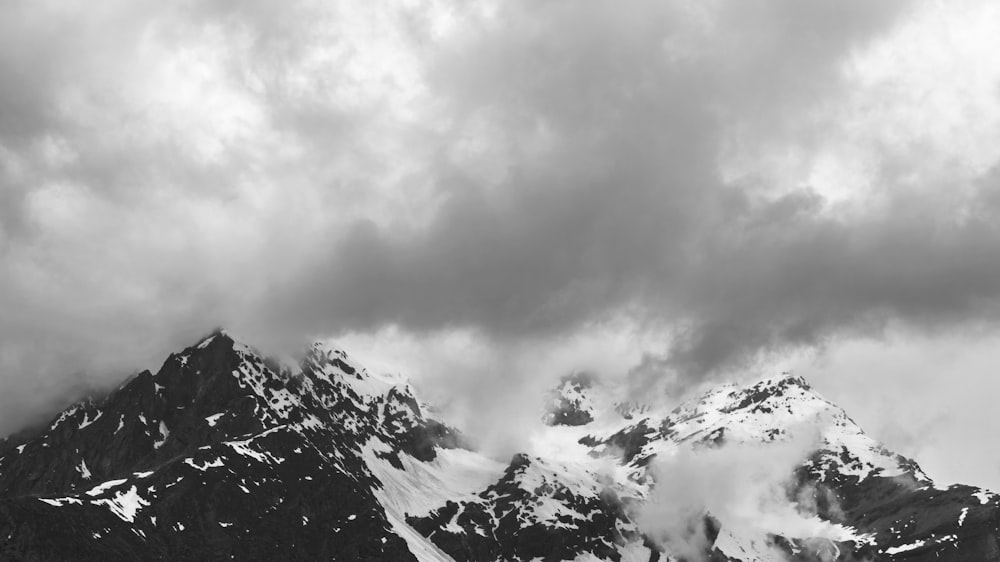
{"x":216,"y":456}
{"x":570,"y":402}
{"x":223,"y":454}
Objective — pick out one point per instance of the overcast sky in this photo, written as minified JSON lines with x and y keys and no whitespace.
{"x":495,"y":193}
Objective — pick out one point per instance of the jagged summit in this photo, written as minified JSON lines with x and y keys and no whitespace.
{"x":223,"y":453}
{"x":222,"y":335}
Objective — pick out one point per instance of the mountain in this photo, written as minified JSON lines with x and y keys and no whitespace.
{"x":224,"y":454}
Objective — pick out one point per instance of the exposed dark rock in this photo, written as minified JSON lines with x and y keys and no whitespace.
{"x":224,"y":455}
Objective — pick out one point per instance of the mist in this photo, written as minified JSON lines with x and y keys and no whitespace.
{"x":744,"y":487}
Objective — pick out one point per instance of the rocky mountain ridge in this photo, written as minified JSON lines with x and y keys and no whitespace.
{"x":224,"y":454}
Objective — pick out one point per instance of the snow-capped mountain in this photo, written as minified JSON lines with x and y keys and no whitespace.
{"x":224,"y":454}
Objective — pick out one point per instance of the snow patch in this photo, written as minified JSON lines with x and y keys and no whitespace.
{"x":905,"y":548}
{"x":243,"y":448}
{"x":455,"y":474}
{"x":216,"y":463}
{"x":104,"y":486}
{"x":983,"y":496}
{"x":87,"y":421}
{"x":64,"y":415}
{"x":125,"y":504}
{"x":59,"y":502}
{"x":164,"y":433}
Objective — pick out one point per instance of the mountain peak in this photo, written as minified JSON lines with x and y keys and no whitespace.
{"x":785,"y":380}
{"x":221,"y":449}
{"x":224,"y":336}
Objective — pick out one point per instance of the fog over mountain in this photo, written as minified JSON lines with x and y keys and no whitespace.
{"x":490,"y":195}
{"x":223,"y":454}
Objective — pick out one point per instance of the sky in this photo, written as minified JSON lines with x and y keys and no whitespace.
{"x":487,"y":195}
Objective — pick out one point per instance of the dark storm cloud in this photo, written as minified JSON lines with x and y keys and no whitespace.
{"x":623,"y":207}
{"x":529,"y":171}
{"x":803,"y":280}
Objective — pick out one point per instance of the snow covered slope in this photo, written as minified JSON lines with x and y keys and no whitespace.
{"x":226,"y":454}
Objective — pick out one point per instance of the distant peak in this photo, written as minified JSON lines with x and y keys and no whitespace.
{"x":583,"y":379}
{"x":789,"y":378}
{"x":206,"y":340}
{"x":518,"y":461}
{"x":217,"y":333}
{"x":327,"y":350}
{"x":227,"y":339}
{"x":779,"y":383}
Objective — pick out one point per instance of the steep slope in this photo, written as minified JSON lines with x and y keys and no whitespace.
{"x":535,"y":510}
{"x":892,"y":508}
{"x":217,"y":455}
{"x":225,"y":454}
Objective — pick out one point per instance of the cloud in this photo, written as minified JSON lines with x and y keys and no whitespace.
{"x":746,"y":488}
{"x":732,"y":180}
{"x":494,"y":393}
{"x":952,"y":371}
{"x":594,"y":183}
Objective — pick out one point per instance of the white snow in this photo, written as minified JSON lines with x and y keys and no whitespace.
{"x":104,"y":486}
{"x":83,"y":470}
{"x":635,"y":551}
{"x":961,"y":517}
{"x":214,"y":419}
{"x":452,"y":526}
{"x":252,"y":374}
{"x":747,"y":548}
{"x":560,"y":447}
{"x":244,"y":448}
{"x":87,"y":421}
{"x":164,"y":433}
{"x":455,"y":474}
{"x":125,"y":504}
{"x":984,"y":496}
{"x":549,"y":475}
{"x":420,"y":546}
{"x":549,"y":510}
{"x":58,"y":502}
{"x":919,"y":543}
{"x":64,"y":415}
{"x":216,"y":463}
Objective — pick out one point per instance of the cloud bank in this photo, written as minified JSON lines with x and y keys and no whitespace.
{"x":730,"y":181}
{"x":747,"y":489}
